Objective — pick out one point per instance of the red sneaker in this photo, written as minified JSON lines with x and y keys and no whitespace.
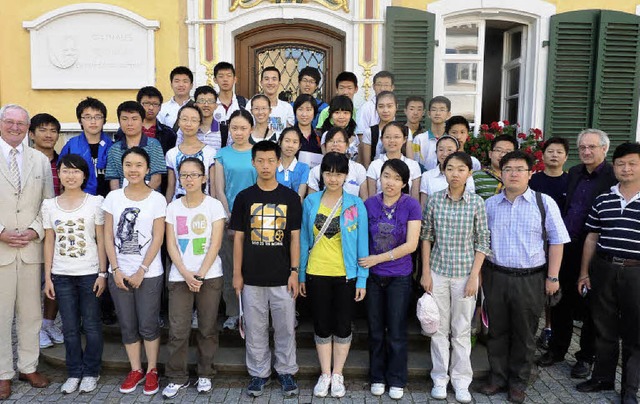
{"x":151,"y":385}
{"x":134,"y":378}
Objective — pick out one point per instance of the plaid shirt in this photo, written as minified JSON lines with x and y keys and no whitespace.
{"x":457,"y":229}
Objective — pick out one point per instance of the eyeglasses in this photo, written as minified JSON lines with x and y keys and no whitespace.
{"x":206,"y":102}
{"x":308,"y":81}
{"x":147,"y":104}
{"x":187,"y":120}
{"x":95,"y":118}
{"x":336,"y":142}
{"x":189,"y":176}
{"x":70,"y":171}
{"x":515,"y":170}
{"x":501,"y":151}
{"x":590,"y":147}
{"x":20,"y":125}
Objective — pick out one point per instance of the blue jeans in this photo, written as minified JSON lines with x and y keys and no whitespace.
{"x":387,"y":304}
{"x":80,"y":311}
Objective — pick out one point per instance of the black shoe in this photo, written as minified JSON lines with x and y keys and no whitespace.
{"x":549,"y":359}
{"x":592,"y":386}
{"x":544,"y":339}
{"x":109,"y":318}
{"x":581,"y":370}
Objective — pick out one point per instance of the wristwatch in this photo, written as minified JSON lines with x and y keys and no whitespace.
{"x":104,"y":275}
{"x":552,"y":279}
{"x":294,"y":269}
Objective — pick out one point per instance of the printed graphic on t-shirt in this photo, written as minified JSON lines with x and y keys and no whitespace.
{"x":276,"y":123}
{"x":127,"y":236}
{"x":384,"y":240}
{"x":334,"y":226}
{"x":268,"y":222}
{"x":71,"y":238}
{"x":198,"y":227}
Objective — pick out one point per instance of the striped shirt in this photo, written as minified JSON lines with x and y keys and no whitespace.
{"x":618,"y":223}
{"x":457,"y":229}
{"x":150,"y":145}
{"x":516,"y":229}
{"x":487,"y":185}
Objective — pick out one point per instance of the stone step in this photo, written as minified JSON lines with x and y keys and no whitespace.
{"x":231,"y":361}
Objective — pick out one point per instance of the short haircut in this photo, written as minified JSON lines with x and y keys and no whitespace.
{"x":265,"y":146}
{"x":415,"y":98}
{"x":394,"y":124}
{"x":302,"y":98}
{"x":131,"y":106}
{"x":181,"y":70}
{"x":448,"y":137}
{"x":517,"y":155}
{"x":440,"y":100}
{"x":384,"y":94}
{"x":149,"y":91}
{"x":310,"y":72}
{"x":270,"y":69}
{"x":9,"y":107}
{"x":624,"y":149}
{"x":462,"y":156}
{"x":197,"y":162}
{"x":242,"y":113}
{"x":333,"y":162}
{"x":75,"y":161}
{"x":604,"y":137}
{"x":139,"y":151}
{"x":347,"y":76}
{"x":291,"y":129}
{"x":261,"y":97}
{"x":401,"y":168}
{"x":456,"y":120}
{"x":331,"y":133}
{"x":223,"y":66}
{"x":556,"y":140}
{"x":384,"y":74}
{"x":190,"y":106}
{"x":340,"y":103}
{"x":204,"y":90}
{"x":92,"y":103}
{"x":43,"y":119}
{"x":504,"y":138}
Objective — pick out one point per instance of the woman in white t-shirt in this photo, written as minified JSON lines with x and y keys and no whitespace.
{"x":194,"y":230}
{"x":133,"y":233}
{"x":75,"y":270}
{"x":262,"y":130}
{"x":189,"y":119}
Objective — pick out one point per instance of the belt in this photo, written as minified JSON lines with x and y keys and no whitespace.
{"x":623,"y":262}
{"x":515,"y":271}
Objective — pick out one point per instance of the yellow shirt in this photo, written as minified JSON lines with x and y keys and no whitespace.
{"x":326,"y":257}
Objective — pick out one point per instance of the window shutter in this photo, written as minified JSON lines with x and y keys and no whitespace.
{"x":409,"y":48}
{"x":617,"y":80}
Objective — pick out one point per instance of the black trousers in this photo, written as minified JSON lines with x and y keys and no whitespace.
{"x":571,"y":307}
{"x":514,"y":304}
{"x":616,"y":313}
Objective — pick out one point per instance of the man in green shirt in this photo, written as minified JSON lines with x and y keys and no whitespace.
{"x":488,"y":181}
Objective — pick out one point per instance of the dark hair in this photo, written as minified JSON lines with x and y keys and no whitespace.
{"x":415,"y":98}
{"x":504,"y":138}
{"x":331,"y":133}
{"x":333,"y":162}
{"x":448,"y":137}
{"x":340,"y":103}
{"x":260,"y":96}
{"x":181,"y":70}
{"x":310,"y":72}
{"x":440,"y":100}
{"x":384,"y":74}
{"x":223,"y":66}
{"x":139,"y":151}
{"x":456,"y":120}
{"x":347,"y":76}
{"x":462,"y":156}
{"x":43,"y":119}
{"x":270,"y":69}
{"x":556,"y":140}
{"x":302,"y":98}
{"x":75,"y":161}
{"x":291,"y":129}
{"x":243,"y":113}
{"x":197,"y":162}
{"x":92,"y":103}
{"x":396,"y":124}
{"x":131,"y":106}
{"x":401,"y":168}
{"x":625,"y":149}
{"x":265,"y":146}
{"x":204,"y":90}
{"x":190,"y":106}
{"x":384,"y":94}
{"x":517,"y":155}
{"x":149,"y":91}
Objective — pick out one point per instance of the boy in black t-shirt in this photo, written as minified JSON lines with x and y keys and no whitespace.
{"x":267,"y":218}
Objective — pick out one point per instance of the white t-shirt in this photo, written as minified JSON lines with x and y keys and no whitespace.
{"x":368,"y":116}
{"x":352,"y":149}
{"x":375,"y":170}
{"x":133,"y":229}
{"x":434,"y":180}
{"x":174,"y":156}
{"x":169,"y":112}
{"x":424,"y":150}
{"x":75,"y":251}
{"x":192,"y":229}
{"x":357,"y":175}
{"x":280,"y":117}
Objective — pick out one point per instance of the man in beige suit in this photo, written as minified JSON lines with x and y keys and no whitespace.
{"x":25,"y":181}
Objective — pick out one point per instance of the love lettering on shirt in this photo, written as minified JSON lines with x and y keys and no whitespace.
{"x":197,"y":227}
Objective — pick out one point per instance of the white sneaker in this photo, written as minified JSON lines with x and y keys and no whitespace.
{"x":337,"y":386}
{"x":377,"y":389}
{"x":203,"y":385}
{"x":55,"y":334}
{"x":396,"y":393}
{"x":463,"y":396}
{"x":70,"y":385}
{"x":88,"y":384}
{"x":231,"y":323}
{"x":172,"y":389}
{"x":45,"y":340}
{"x":439,"y":392}
{"x":322,"y":387}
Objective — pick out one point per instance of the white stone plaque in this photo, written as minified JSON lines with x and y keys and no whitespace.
{"x":92,"y":46}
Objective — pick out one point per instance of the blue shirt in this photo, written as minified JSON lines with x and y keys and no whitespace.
{"x":516,"y":229}
{"x":238,"y":172}
{"x":293,"y":176}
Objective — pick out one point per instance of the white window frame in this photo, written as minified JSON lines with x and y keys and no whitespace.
{"x":509,"y":64}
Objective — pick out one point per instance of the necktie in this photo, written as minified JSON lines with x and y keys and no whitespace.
{"x":13,"y":168}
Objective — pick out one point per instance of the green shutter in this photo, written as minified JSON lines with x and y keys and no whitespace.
{"x":617,"y":77}
{"x":409,"y":46}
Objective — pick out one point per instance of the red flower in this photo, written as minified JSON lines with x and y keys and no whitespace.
{"x":495,"y":126}
{"x":522,"y":135}
{"x":473,"y":149}
{"x":484,"y":126}
{"x":538,"y":155}
{"x":505,"y":122}
{"x":528,"y":150}
{"x":537,"y":133}
{"x":540,"y":145}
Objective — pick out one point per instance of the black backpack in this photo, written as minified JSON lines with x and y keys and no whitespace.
{"x":224,"y":125}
